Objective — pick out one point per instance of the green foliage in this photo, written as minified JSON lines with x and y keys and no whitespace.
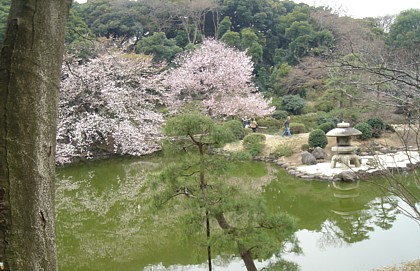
{"x":305,"y":147}
{"x":317,"y":138}
{"x":271,"y":123}
{"x":160,"y":46}
{"x":80,"y":40}
{"x":109,"y":19}
{"x":240,"y":156}
{"x":309,"y":120}
{"x":224,"y":26}
{"x":236,"y":127}
{"x":293,"y":104}
{"x":283,"y":265}
{"x":326,"y":119}
{"x":280,"y":114}
{"x":221,"y":136}
{"x":282,"y":150}
{"x":231,"y":38}
{"x":254,"y":143}
{"x":327,"y":126}
{"x":4,"y":13}
{"x":405,"y":31}
{"x":250,"y":43}
{"x":366,"y":130}
{"x":187,"y":128}
{"x":297,"y":128}
{"x":378,"y":126}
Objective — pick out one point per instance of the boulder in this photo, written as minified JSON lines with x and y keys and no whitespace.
{"x":319,"y":153}
{"x":308,"y":158}
{"x":347,"y":176}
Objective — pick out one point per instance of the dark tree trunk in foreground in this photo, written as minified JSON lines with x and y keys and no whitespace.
{"x":30,"y":71}
{"x":245,"y":253}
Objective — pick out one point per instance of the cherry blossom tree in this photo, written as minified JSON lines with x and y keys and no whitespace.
{"x":220,"y":78}
{"x":109,"y":105}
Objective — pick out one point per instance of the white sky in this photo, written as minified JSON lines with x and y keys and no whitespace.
{"x":365,"y":8}
{"x":360,"y":8}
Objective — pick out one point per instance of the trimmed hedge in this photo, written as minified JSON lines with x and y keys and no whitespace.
{"x":317,"y":138}
{"x":296,"y":128}
{"x":271,"y":124}
{"x":327,"y":126}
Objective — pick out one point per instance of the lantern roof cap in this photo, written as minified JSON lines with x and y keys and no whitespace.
{"x":343,"y":129}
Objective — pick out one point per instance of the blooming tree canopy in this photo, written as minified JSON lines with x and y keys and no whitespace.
{"x":218,"y":76}
{"x":108,"y":105}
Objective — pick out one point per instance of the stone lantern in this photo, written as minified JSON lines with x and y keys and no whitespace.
{"x":345,"y":151}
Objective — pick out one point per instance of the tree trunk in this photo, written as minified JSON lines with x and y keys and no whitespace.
{"x":246,"y":254}
{"x":30,"y":71}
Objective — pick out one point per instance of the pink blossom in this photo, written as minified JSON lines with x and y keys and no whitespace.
{"x":218,"y":76}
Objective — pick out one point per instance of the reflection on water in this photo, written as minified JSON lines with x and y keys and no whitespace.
{"x":103,"y":223}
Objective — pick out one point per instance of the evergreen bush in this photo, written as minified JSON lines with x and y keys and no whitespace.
{"x":317,"y":138}
{"x":293,"y":104}
{"x":296,"y":128}
{"x":280,"y":114}
{"x":271,"y":124}
{"x":366,"y":130}
{"x":254,"y":143}
{"x":378,"y":126}
{"x":327,"y":126}
{"x":305,"y":147}
{"x":236,"y":127}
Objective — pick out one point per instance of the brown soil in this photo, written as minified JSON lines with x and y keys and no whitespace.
{"x":389,"y":140}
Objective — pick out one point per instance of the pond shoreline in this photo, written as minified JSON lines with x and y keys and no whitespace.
{"x":371,"y":165}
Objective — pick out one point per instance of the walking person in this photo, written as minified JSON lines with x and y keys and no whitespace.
{"x":286,"y":131}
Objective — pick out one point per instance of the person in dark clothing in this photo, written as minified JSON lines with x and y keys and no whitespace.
{"x":286,"y":131}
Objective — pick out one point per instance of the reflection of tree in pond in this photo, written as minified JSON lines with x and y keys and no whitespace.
{"x":343,"y":212}
{"x":386,"y":210}
{"x":102,"y":219}
{"x":354,"y":219}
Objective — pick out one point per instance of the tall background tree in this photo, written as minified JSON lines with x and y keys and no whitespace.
{"x":109,"y":105}
{"x":219,"y":79}
{"x":30,"y":72}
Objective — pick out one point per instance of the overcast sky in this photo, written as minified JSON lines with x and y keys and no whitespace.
{"x":366,"y":8}
{"x":360,"y":8}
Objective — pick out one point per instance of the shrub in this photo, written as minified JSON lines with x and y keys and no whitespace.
{"x":317,"y":138}
{"x":308,"y":120}
{"x":280,"y":114}
{"x":327,"y":126}
{"x":236,"y":127}
{"x":305,"y":147}
{"x":293,"y":104}
{"x":221,"y":135}
{"x":254,"y":143}
{"x":297,"y":128}
{"x":272,"y":124}
{"x":378,"y":126}
{"x":366,"y":130}
{"x":325,"y":119}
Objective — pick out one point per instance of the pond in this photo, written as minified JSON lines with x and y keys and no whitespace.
{"x":103,"y":222}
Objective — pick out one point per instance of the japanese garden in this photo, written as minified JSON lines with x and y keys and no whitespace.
{"x":126,"y":145}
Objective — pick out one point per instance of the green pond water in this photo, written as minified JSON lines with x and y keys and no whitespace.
{"x":104,"y":222}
